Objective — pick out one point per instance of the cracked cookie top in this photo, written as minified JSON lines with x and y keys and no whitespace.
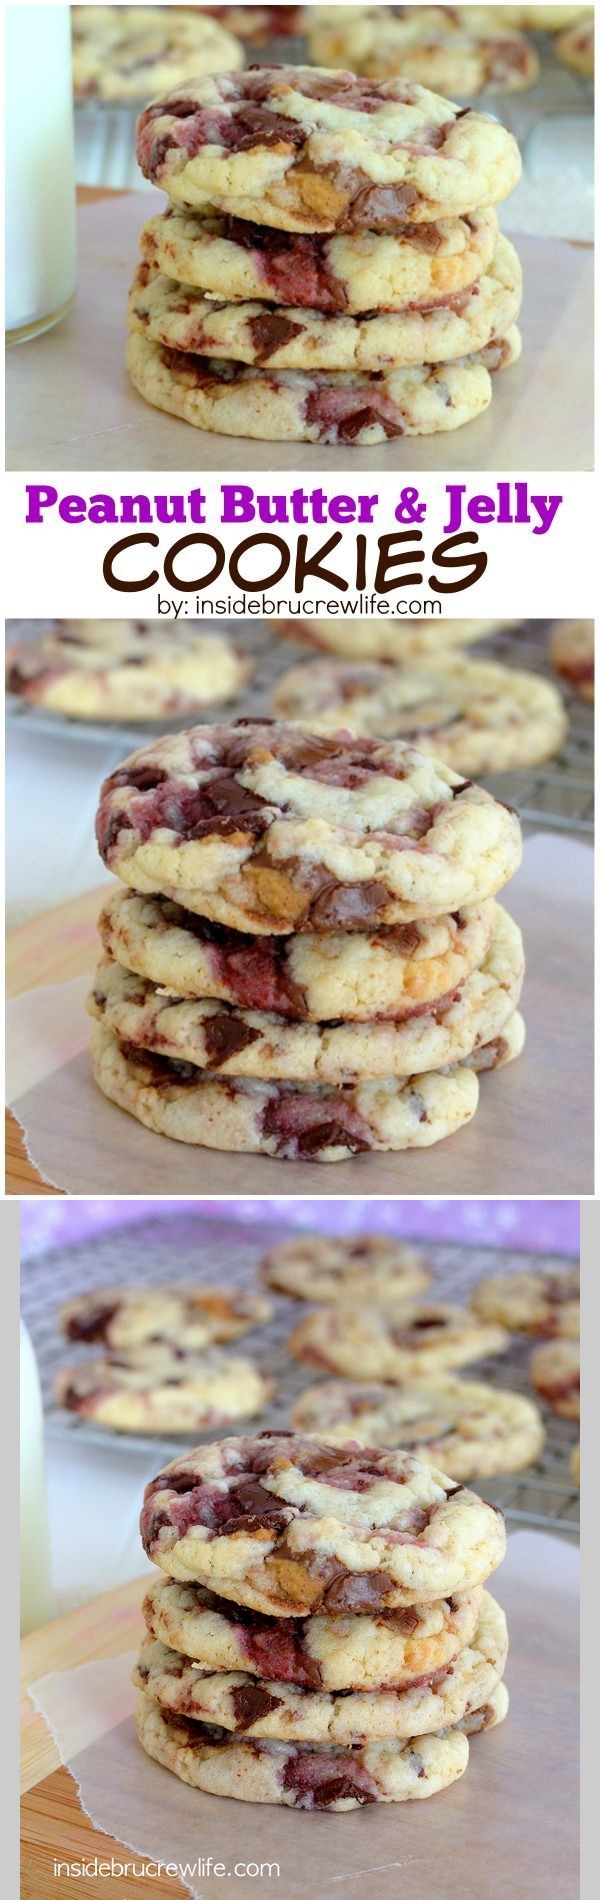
{"x":282,"y":1521}
{"x":267,"y":828}
{"x":304,"y":148}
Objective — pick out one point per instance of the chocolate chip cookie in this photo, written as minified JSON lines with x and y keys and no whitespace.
{"x":364,"y":1649}
{"x":350,"y":407}
{"x":125,"y":670}
{"x":477,"y":716}
{"x":293,"y":338}
{"x":162,"y":1388}
{"x":269,"y":829}
{"x":188,"y":1316}
{"x":299,"y":1774}
{"x":221,"y":1039}
{"x":544,"y":1303}
{"x":284,"y":1711}
{"x":285,"y":1524}
{"x":413,"y":265}
{"x":290,"y":1121}
{"x":422,"y":1343}
{"x":310,"y":150}
{"x":338,"y":974}
{"x":469,"y":1429}
{"x":336,"y":1272}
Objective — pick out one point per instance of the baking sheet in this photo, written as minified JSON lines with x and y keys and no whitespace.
{"x":532,"y":1134}
{"x":508,"y":1827}
{"x":69,"y":404}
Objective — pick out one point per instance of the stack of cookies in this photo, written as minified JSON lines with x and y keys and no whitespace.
{"x":319,"y":1637}
{"x":163,"y":1369}
{"x":307,"y":960}
{"x":329,"y":268}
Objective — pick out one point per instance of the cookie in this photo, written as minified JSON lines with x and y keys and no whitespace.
{"x":292,"y":338}
{"x":572,"y":653}
{"x":543,"y":1303}
{"x":306,"y":978}
{"x":254,"y":25}
{"x":381,"y":639}
{"x":544,"y":19}
{"x":289,"y":1526}
{"x":284,"y":1120}
{"x":476,"y":716}
{"x":164,"y":1389}
{"x":125,"y":670}
{"x":223,"y":1040}
{"x":350,"y":407}
{"x":309,"y":150}
{"x":574,"y":47}
{"x":427,"y":1341}
{"x":416,"y":265}
{"x":391,"y":1649}
{"x":271,"y":830}
{"x":283,"y":1711}
{"x":457,"y":51}
{"x":492,"y":1712}
{"x":299,"y":1774}
{"x":336,"y":1272}
{"x":193,"y":1317}
{"x":127,"y":53}
{"x":469,"y":1430}
{"x":554,"y":1369}
{"x":504,"y":1048}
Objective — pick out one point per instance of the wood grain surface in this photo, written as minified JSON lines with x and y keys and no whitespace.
{"x":53,"y":1824}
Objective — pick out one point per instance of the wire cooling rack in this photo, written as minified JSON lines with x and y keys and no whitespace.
{"x":226,"y":1253}
{"x":558,"y":795}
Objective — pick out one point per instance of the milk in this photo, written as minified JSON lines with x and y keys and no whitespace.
{"x":40,"y":169}
{"x":37,"y":1604}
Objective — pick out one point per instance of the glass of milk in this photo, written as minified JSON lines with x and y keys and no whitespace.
{"x":37,"y":1600}
{"x":40,"y":170}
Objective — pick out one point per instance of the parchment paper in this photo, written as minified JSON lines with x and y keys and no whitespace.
{"x":70,"y":405}
{"x":532,"y":1133}
{"x":506,"y":1831}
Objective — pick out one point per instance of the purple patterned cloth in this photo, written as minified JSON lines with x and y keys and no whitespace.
{"x":539,"y":1226}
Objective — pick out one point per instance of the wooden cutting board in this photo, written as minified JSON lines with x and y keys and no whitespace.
{"x":53,"y":1823}
{"x":69,"y":404}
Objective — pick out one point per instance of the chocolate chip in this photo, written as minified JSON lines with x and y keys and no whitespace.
{"x":258,"y":125}
{"x":348,"y":906}
{"x":364,"y":1592}
{"x":92,"y":1326}
{"x":225,"y":1035}
{"x":380,"y":207}
{"x":269,"y":332}
{"x":141,"y":778}
{"x":330,"y":1134}
{"x":250,"y":1703}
